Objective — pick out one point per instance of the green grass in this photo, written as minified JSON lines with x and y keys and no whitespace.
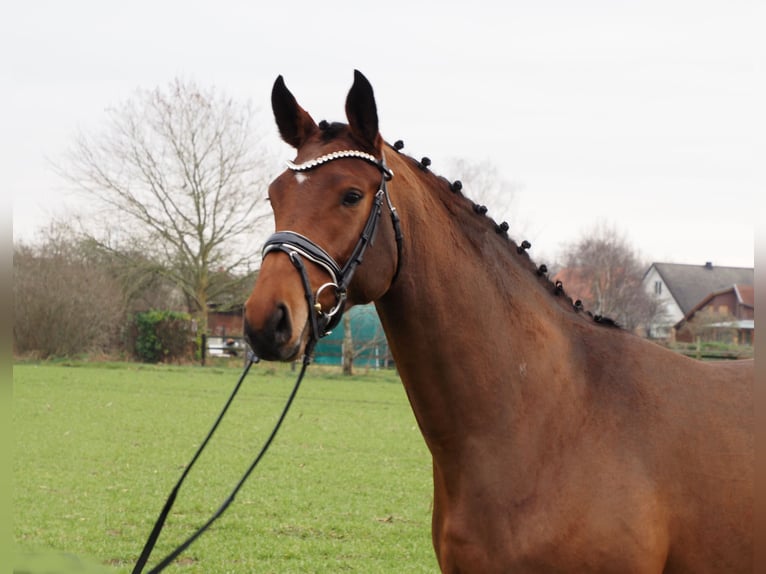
{"x":346,"y":485}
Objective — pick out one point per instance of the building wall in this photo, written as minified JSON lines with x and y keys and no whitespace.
{"x":225,"y":324}
{"x":655,"y":286}
{"x":725,"y":305}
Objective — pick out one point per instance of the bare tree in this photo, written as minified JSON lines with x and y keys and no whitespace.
{"x":347,"y":349}
{"x":144,"y":282}
{"x":177,"y":176}
{"x":485,"y":185}
{"x":605,"y":272}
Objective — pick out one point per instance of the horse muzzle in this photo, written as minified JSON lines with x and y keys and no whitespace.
{"x":276,"y":314}
{"x":273,"y":340}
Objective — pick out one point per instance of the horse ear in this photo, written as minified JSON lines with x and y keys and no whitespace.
{"x":294,"y":123}
{"x":362,"y":113}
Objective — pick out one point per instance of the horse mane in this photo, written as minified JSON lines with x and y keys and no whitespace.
{"x":518,"y":251}
{"x":332,"y":130}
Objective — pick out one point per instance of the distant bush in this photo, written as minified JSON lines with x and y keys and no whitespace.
{"x":64,"y":303}
{"x":162,"y":336}
{"x":712,"y":350}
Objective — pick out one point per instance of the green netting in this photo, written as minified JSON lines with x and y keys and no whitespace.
{"x":369,"y":341}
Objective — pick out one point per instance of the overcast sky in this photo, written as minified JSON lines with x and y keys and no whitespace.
{"x":645,"y":115}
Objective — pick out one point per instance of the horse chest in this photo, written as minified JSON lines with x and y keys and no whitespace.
{"x":563,"y":519}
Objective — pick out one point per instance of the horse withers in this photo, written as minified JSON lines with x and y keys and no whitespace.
{"x":559,"y":443}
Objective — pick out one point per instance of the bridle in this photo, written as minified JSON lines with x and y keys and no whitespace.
{"x":299,"y":247}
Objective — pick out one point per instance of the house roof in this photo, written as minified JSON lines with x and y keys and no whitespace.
{"x":739,"y":290}
{"x":690,"y":284}
{"x":745,"y":295}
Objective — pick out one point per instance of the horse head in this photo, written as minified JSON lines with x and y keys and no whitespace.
{"x":326,"y":209}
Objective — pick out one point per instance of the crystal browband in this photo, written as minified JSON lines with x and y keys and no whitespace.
{"x":331,"y":156}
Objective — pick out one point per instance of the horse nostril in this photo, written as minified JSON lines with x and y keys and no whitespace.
{"x":280,"y":324}
{"x":270,"y":339}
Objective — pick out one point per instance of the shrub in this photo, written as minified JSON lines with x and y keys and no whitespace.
{"x":64,"y":304}
{"x":162,"y":336}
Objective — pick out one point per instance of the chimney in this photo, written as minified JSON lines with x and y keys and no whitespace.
{"x":708,"y":265}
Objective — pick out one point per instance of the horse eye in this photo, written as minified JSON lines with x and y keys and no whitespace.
{"x":352,"y":197}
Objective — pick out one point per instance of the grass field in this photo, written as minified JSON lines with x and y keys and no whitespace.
{"x":346,"y":486}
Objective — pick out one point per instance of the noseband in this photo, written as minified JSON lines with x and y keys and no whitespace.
{"x":298,"y":247}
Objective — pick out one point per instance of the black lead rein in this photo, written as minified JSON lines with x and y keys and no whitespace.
{"x":251,"y":358}
{"x":152,"y":540}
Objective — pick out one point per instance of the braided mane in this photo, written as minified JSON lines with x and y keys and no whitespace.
{"x":517,"y":250}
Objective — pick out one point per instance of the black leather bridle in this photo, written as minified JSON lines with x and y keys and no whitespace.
{"x":299,"y":247}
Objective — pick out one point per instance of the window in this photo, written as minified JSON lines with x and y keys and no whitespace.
{"x":658,"y":287}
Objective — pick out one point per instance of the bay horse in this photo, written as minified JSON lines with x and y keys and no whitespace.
{"x":560,"y":442}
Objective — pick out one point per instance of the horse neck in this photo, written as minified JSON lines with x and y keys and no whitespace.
{"x":474,"y":332}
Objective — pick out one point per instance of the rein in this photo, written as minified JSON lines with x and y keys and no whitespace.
{"x":297,"y":248}
{"x":155,"y":533}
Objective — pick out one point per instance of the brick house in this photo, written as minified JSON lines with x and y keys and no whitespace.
{"x":730,"y":311}
{"x":225,"y":323}
{"x":682,"y":288}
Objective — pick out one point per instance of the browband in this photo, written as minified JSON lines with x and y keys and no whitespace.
{"x":312,"y":163}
